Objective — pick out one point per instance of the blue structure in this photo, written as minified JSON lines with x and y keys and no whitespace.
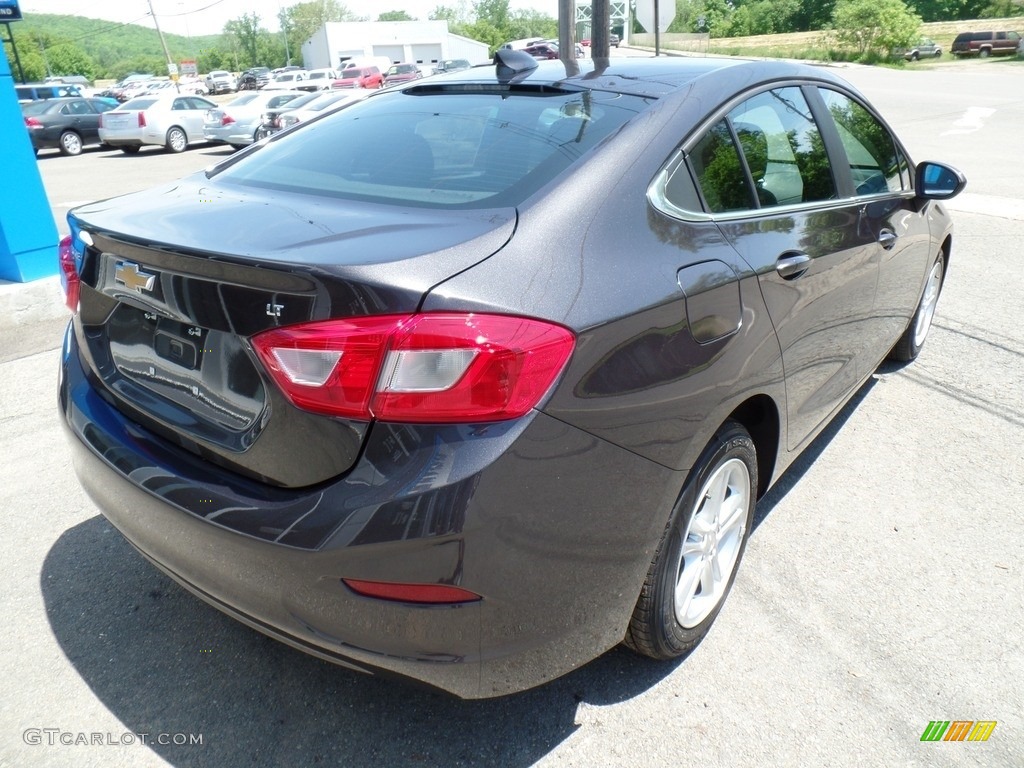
{"x":28,"y":235}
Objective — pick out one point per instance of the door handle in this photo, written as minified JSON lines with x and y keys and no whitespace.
{"x":887,"y":239}
{"x":790,"y":266}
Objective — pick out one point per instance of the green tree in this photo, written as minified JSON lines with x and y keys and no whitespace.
{"x":395,"y":16}
{"x":245,"y":31}
{"x":493,"y":12}
{"x":457,"y":14}
{"x":874,"y":27}
{"x":999,"y":9}
{"x":306,"y":18}
{"x":530,"y":23}
{"x":813,"y":14}
{"x":69,"y":59}
{"x":32,"y":64}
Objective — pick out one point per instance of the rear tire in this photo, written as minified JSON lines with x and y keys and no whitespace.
{"x":696,"y":562}
{"x":176,"y":140}
{"x":70,"y":143}
{"x":983,"y":53}
{"x":911,"y":342}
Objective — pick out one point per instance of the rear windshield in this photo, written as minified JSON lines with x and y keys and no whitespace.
{"x":35,"y":108}
{"x":244,"y":98}
{"x":140,"y":103}
{"x":456,"y":147}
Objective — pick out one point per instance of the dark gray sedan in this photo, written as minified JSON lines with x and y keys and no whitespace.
{"x":482,"y":376}
{"x":67,"y":124}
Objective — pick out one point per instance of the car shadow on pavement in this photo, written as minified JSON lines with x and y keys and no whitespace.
{"x":795,"y":472}
{"x":164,"y":662}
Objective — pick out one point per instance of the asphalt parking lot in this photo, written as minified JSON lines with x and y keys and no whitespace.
{"x":882,"y":587}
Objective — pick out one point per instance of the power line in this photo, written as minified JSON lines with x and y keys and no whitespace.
{"x":197,"y":10}
{"x":102,"y":31}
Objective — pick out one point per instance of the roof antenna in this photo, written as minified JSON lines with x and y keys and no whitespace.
{"x":511,"y":63}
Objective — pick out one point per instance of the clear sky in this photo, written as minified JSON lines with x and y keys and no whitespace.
{"x":207,"y":17}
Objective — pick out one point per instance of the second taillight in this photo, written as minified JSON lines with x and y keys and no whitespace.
{"x":431,"y":368}
{"x":69,"y":279}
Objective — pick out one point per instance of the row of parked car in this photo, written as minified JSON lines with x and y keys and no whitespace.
{"x":158,"y":114}
{"x":172,"y":121}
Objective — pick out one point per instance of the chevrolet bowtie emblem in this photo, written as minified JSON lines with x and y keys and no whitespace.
{"x":129,"y":275}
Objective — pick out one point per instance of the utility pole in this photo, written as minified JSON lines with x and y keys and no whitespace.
{"x":14,"y":50}
{"x":600,"y":28}
{"x":566,"y":30}
{"x":172,"y":68}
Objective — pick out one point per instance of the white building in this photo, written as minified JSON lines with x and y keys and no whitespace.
{"x":401,"y":42}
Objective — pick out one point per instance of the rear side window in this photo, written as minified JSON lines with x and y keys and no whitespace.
{"x":717,"y":166}
{"x":875,"y":163}
{"x":453,"y":147}
{"x":783,"y":148}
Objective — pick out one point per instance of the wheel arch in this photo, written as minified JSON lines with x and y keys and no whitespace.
{"x":759,"y":415}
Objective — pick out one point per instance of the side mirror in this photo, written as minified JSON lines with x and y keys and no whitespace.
{"x":936,"y":181}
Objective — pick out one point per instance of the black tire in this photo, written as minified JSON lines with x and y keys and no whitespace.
{"x":915,"y":56}
{"x":131,"y":149}
{"x":983,"y":53}
{"x":912,"y":341}
{"x":70,"y":143}
{"x":656,"y":628}
{"x":176,"y":141}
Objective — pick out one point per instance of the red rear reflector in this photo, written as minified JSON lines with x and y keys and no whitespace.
{"x":412,"y":593}
{"x":31,"y":122}
{"x":142,"y":119}
{"x":431,"y":368}
{"x":69,"y":281}
{"x":226,"y":119}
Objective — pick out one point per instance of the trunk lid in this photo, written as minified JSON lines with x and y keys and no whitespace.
{"x":178,"y":279}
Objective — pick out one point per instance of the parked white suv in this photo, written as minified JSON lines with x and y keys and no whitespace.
{"x":287,"y":81}
{"x":318,"y":80}
{"x":220,"y":81}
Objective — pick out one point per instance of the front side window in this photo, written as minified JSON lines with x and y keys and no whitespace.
{"x":875,"y":163}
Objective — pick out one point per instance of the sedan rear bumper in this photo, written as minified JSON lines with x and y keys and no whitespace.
{"x":554,"y":528}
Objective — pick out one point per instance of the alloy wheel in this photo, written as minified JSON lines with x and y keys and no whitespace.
{"x":712,"y":543}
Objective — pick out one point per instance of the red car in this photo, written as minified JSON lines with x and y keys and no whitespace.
{"x":402,"y":73}
{"x":543,"y":51}
{"x":359,"y":77}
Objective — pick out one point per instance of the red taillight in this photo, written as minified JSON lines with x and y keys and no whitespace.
{"x":431,"y":368}
{"x":226,"y":119}
{"x":31,"y":122}
{"x":69,"y":273}
{"x":411,"y":593}
{"x":142,"y":119}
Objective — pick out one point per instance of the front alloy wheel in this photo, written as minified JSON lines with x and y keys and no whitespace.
{"x":696,"y":562}
{"x":910,"y":344}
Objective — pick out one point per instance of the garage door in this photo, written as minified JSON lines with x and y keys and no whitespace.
{"x":427,"y":53}
{"x":395,"y":53}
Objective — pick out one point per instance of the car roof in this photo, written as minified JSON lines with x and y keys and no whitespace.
{"x":641,"y":76}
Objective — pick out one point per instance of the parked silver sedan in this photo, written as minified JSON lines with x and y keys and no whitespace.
{"x":237,"y":123}
{"x":168,"y":120}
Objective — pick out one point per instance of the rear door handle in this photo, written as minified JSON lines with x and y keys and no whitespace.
{"x":790,"y":266}
{"x":887,"y":239}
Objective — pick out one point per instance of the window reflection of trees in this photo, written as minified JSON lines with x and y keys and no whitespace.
{"x":874,"y":162}
{"x":716,"y":164}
